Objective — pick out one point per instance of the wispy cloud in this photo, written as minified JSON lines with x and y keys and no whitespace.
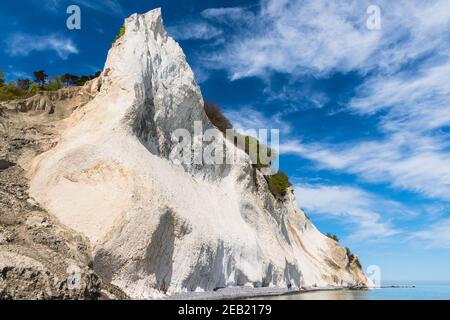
{"x":247,"y":118}
{"x":106,"y":6}
{"x":436,"y":235}
{"x":112,"y":7}
{"x":410,"y":70}
{"x":14,"y":75}
{"x":353,"y":207}
{"x":285,"y":39}
{"x":404,"y":160}
{"x":293,"y":97}
{"x":229,"y":15}
{"x":22,"y":44}
{"x":193,"y":31}
{"x":418,"y":101}
{"x":282,"y":36}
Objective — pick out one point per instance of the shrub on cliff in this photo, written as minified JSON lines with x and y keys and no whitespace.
{"x":2,"y":78}
{"x":23,"y":84}
{"x":216,"y":116}
{"x":252,"y":143}
{"x":10,"y":91}
{"x":278,"y":184}
{"x":333,"y":236}
{"x":33,"y":89}
{"x":13,"y":91}
{"x":121,"y":33}
{"x":220,"y":121}
{"x":53,"y":86}
{"x":352,"y":258}
{"x":349,"y":253}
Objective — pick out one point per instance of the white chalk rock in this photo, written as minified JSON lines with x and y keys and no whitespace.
{"x":157,"y":227}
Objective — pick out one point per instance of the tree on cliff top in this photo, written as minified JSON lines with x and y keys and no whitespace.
{"x":23,"y":84}
{"x":2,"y":78}
{"x":40,"y":77}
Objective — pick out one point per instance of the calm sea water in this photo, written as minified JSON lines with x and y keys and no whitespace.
{"x":422,"y":291}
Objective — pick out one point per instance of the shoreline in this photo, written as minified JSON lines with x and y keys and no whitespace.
{"x":248,"y":293}
{"x":242,"y":293}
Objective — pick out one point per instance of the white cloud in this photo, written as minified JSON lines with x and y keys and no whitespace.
{"x":436,"y":235}
{"x":293,"y":97}
{"x":414,"y":102}
{"x":112,"y":7}
{"x":21,"y":44}
{"x":320,"y":37}
{"x":404,"y":160}
{"x":52,"y":4}
{"x":353,"y":208}
{"x":413,"y":152}
{"x":284,"y":38}
{"x":238,"y":15}
{"x":193,"y":31}
{"x":406,"y":66}
{"x":12,"y":74}
{"x":108,"y":6}
{"x":247,"y":118}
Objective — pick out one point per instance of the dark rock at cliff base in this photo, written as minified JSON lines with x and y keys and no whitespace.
{"x":5,"y":164}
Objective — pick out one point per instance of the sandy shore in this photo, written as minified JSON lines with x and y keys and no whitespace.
{"x":244,"y":293}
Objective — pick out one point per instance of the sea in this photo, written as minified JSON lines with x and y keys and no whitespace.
{"x":402,"y":290}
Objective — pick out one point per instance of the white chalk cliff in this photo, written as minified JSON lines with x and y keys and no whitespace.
{"x":157,"y":227}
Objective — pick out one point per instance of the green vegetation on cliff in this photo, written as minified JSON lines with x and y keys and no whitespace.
{"x":279,"y":182}
{"x":25,"y":88}
{"x":121,"y":33}
{"x":333,"y":236}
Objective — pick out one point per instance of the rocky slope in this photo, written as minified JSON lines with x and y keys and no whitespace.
{"x":39,"y":257}
{"x":152,"y":226}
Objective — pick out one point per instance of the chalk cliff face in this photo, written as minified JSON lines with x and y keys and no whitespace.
{"x":157,"y":227}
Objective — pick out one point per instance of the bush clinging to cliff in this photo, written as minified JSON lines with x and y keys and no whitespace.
{"x":278,"y":184}
{"x":216,"y":116}
{"x":262,"y":150}
{"x":121,"y":33}
{"x":333,"y":236}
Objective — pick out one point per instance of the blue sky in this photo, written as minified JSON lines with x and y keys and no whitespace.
{"x":364,"y":114}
